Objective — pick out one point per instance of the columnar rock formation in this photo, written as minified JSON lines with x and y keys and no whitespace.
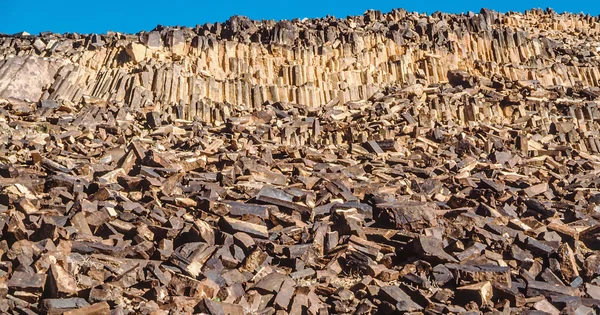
{"x":382,"y":164}
{"x":244,"y":63}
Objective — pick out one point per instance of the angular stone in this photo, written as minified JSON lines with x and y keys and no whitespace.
{"x":234,"y":225}
{"x":399,"y":299}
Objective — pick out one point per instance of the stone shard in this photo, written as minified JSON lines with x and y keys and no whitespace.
{"x":401,"y":300}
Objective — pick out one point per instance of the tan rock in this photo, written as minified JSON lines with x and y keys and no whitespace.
{"x":137,"y":52}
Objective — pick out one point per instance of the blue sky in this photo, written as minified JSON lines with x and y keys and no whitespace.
{"x":99,"y":16}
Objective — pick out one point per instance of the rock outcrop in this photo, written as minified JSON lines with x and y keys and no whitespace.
{"x":382,"y":164}
{"x":243,"y":63}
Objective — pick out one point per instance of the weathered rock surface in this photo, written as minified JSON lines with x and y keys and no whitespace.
{"x":189,"y":171}
{"x":245,"y":63}
{"x":26,"y":77}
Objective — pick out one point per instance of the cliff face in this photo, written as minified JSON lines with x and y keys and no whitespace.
{"x":213,"y":69}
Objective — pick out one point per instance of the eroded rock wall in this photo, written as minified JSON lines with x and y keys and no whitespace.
{"x":243,"y":63}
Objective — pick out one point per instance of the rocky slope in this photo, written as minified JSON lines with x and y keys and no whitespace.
{"x":382,"y":164}
{"x":246,"y":63}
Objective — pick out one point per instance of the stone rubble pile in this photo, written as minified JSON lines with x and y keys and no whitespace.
{"x":420,"y":186}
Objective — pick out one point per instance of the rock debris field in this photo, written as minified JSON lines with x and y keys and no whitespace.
{"x":378,"y":164}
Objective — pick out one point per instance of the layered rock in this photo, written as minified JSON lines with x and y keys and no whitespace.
{"x":241,"y":64}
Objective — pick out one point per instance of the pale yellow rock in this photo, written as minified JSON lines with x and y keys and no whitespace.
{"x":178,"y":49}
{"x":249,"y":74}
{"x":136,"y":51}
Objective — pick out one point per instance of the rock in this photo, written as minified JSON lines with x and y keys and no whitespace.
{"x":101,"y":308}
{"x":480,"y":293}
{"x":431,"y":249}
{"x":137,"y":52}
{"x":399,"y":299}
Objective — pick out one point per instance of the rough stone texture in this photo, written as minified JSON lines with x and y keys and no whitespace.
{"x":25,"y":77}
{"x":141,"y":182}
{"x":311,"y":62}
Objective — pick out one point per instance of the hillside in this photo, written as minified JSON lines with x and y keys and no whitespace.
{"x":387,"y":163}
